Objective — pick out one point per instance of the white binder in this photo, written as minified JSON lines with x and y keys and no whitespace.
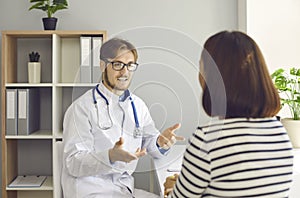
{"x":85,"y":59}
{"x":28,"y":111}
{"x":11,"y":112}
{"x":96,"y":45}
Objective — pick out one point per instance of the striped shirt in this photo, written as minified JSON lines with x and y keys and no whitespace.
{"x":237,"y":157}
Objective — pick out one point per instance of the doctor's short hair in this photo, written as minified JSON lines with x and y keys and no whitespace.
{"x":249,"y":90}
{"x":111,"y":48}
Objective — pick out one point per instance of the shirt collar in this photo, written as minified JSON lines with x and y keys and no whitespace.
{"x":124,"y":96}
{"x":111,"y":96}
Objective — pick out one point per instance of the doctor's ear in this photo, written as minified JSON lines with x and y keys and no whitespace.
{"x":102,"y":65}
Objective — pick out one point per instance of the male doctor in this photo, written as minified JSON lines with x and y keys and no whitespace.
{"x":107,"y":129}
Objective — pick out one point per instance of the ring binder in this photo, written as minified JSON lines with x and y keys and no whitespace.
{"x":96,"y":45}
{"x":85,"y":62}
{"x":11,"y":112}
{"x":28,"y":111}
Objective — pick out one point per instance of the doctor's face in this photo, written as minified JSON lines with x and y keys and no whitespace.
{"x":119,"y":81}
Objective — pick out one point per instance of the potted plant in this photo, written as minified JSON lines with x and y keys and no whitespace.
{"x":50,"y":7}
{"x":34,"y":68}
{"x":288,"y":85}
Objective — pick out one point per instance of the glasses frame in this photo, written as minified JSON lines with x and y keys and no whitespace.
{"x":123,"y":65}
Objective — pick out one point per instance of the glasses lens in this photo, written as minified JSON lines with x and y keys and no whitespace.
{"x":117,"y":65}
{"x":132,"y":66}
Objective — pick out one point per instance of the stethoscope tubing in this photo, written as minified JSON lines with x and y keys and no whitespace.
{"x":137,"y":125}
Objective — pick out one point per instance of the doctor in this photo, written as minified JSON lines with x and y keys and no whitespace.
{"x":107,"y":129}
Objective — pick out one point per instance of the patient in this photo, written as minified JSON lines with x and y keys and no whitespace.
{"x":246,"y":152}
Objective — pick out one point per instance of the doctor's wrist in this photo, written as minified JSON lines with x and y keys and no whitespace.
{"x":161,"y":143}
{"x":162,"y":150}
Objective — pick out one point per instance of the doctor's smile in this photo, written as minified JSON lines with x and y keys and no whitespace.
{"x":123,"y":78}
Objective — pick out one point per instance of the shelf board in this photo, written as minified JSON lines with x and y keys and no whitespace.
{"x":49,"y":33}
{"x":75,"y":84}
{"x":59,"y":135}
{"x":41,"y":134}
{"x":47,"y":185}
{"x":28,"y":85}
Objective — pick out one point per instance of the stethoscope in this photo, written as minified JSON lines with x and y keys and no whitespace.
{"x":107,"y":125}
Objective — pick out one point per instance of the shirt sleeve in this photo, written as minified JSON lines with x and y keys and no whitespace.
{"x":195,"y":173}
{"x":80,"y":157}
{"x":162,"y":150}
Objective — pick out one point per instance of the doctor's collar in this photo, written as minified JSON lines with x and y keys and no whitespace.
{"x":111,"y":95}
{"x":124,"y":96}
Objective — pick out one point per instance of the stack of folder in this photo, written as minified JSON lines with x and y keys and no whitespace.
{"x":22,"y":111}
{"x":90,"y":59}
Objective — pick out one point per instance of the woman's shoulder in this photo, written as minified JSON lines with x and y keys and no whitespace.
{"x":237,"y":122}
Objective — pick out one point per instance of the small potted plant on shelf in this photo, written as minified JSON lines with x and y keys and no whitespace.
{"x":50,"y":7}
{"x":288,"y":85}
{"x":34,"y":68}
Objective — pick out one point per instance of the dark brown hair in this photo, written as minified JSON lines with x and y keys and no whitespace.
{"x":235,"y":78}
{"x":111,"y":49}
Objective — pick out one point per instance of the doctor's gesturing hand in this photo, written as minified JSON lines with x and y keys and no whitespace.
{"x":168,"y":138}
{"x":118,"y":154}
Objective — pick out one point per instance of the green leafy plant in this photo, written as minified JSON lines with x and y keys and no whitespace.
{"x":49,"y":6}
{"x":288,"y":85}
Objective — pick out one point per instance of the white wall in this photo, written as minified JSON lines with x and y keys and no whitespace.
{"x":169,"y":46}
{"x":275,"y":26}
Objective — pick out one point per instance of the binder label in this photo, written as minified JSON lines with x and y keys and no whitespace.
{"x":22,"y":105}
{"x":10,"y":111}
{"x":85,"y":52}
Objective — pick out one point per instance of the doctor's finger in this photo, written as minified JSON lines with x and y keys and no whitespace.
{"x":140,"y":150}
{"x":169,"y":132}
{"x":141,"y":153}
{"x":175,"y":127}
{"x":179,"y":138}
{"x":165,"y":140}
{"x":120,"y":142}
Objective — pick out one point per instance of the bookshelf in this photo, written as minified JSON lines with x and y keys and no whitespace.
{"x":37,"y":153}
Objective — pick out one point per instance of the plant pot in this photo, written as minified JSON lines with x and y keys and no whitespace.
{"x":34,"y":72}
{"x":293,"y":129}
{"x":49,"y":23}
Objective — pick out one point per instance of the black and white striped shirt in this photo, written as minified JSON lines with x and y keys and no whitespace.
{"x":237,"y":158}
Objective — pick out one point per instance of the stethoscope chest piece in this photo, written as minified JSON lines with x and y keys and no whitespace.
{"x":138,"y":132}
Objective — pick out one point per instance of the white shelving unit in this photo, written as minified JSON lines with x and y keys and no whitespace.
{"x":37,"y":153}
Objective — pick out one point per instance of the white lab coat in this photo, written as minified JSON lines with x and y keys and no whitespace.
{"x":87,"y":171}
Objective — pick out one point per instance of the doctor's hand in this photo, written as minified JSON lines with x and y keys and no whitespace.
{"x":118,"y":154}
{"x":168,"y":138}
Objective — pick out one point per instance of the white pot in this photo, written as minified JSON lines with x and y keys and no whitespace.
{"x":34,"y":72}
{"x":293,"y":129}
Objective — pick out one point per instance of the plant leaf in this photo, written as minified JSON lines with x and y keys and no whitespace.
{"x":277,"y":72}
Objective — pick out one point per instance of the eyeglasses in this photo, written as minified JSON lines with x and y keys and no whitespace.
{"x":118,"y":66}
